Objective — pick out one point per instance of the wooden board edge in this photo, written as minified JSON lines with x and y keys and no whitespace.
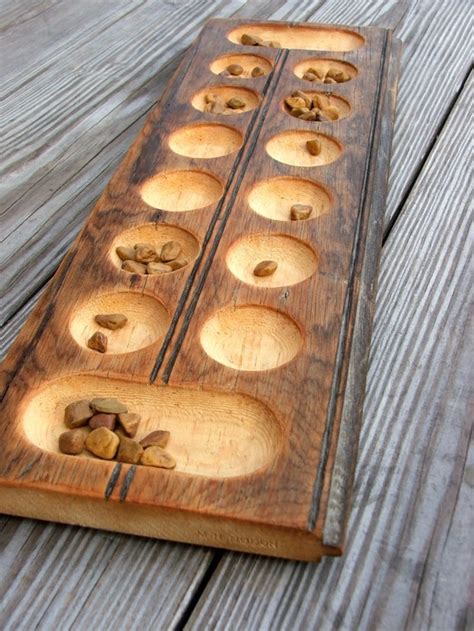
{"x":340,"y":493}
{"x":160,"y":523}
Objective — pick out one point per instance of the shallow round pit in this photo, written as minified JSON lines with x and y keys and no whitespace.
{"x":328,"y":100}
{"x":290,"y":147}
{"x":247,"y":62}
{"x":223,"y":93}
{"x":323,"y":66}
{"x":273,"y":198}
{"x":206,"y":140}
{"x":300,"y":37}
{"x":148,"y":321}
{"x":296,"y":260}
{"x":251,"y":338}
{"x":180,"y":191}
{"x":213,"y":433}
{"x":156,"y":234}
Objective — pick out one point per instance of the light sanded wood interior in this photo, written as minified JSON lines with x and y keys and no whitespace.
{"x":324,"y":64}
{"x":247,"y":62}
{"x":274,"y":197}
{"x":251,"y":337}
{"x":206,"y":140}
{"x":303,"y":37}
{"x":289,"y":147}
{"x":296,"y":260}
{"x":328,"y":99}
{"x":223,"y":93}
{"x":156,"y":234}
{"x":212,"y":433}
{"x":180,"y":191}
{"x":148,"y":321}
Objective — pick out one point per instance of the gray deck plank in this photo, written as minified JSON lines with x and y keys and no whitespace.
{"x":90,"y":103}
{"x":409,"y":559}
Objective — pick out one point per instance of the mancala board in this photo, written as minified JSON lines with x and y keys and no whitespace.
{"x":258,"y":379}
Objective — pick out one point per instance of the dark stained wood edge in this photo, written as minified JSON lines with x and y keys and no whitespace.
{"x":348,"y":440}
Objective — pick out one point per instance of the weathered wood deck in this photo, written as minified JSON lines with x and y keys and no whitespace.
{"x":78,"y":79}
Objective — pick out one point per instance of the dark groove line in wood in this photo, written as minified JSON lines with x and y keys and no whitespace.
{"x":348,"y":301}
{"x":127,"y":482}
{"x":192,"y":276}
{"x":109,"y":489}
{"x":237,"y":178}
{"x":416,"y":173}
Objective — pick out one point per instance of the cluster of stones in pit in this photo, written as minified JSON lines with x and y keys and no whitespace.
{"x":144,"y":259}
{"x":217,"y":105}
{"x":332,"y":75}
{"x":235,"y":70}
{"x":98,"y":341}
{"x":254,"y":40}
{"x":311,"y":108}
{"x":106,"y":429}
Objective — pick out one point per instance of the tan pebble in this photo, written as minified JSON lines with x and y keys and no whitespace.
{"x":125,"y":254}
{"x":337,"y":75}
{"x":217,"y":108}
{"x":134,"y":267}
{"x":158,"y":438}
{"x":298,"y":111}
{"x":295,"y":101}
{"x":250,"y":40}
{"x":102,"y":443}
{"x":330,"y":112}
{"x":71,"y":442}
{"x":158,"y":457}
{"x":344,"y":76}
{"x":265,"y":268}
{"x":112,"y":321}
{"x":108,"y":405}
{"x":158,"y":268}
{"x":309,"y":76}
{"x":318,"y":102}
{"x":210,"y":98}
{"x":129,"y":451}
{"x":78,"y":413}
{"x":225,"y":73}
{"x":273,"y":44}
{"x":317,"y":72}
{"x":329,"y":80}
{"x":299,"y":212}
{"x":98,"y":341}
{"x":235,"y":103}
{"x":145,"y":253}
{"x":103,"y":420}
{"x":257,"y":72}
{"x":301,"y":95}
{"x":129,"y":423}
{"x":170,"y":251}
{"x":308,"y":116}
{"x":314,"y":146}
{"x":235,"y":70}
{"x":179,"y":262}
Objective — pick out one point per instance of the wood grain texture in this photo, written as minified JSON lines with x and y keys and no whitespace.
{"x":52,"y":193}
{"x":287,"y":447}
{"x":413,"y":503}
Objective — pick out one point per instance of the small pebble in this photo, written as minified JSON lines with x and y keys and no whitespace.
{"x":71,"y":442}
{"x":257,"y":72}
{"x":265,"y":268}
{"x":108,"y":405}
{"x":129,"y":422}
{"x":301,"y":95}
{"x":158,"y":438}
{"x":309,"y":76}
{"x":134,"y":267}
{"x":158,"y":268}
{"x":144,"y":253}
{"x":217,"y":108}
{"x":295,"y":101}
{"x":78,"y":413}
{"x":112,"y":321}
{"x":170,"y":251}
{"x":98,"y":342}
{"x":308,"y":116}
{"x":235,"y":70}
{"x":102,"y":443}
{"x":298,"y":212}
{"x":158,"y":457}
{"x":129,"y":451}
{"x":331,"y":113}
{"x":329,"y":80}
{"x":250,"y":40}
{"x":210,"y":98}
{"x":317,"y":72}
{"x":103,"y":420}
{"x":235,"y":103}
{"x":177,"y":263}
{"x":298,"y":111}
{"x":314,"y":147}
{"x":126,"y":254}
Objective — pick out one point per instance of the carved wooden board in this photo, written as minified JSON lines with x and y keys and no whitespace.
{"x":248,"y":373}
